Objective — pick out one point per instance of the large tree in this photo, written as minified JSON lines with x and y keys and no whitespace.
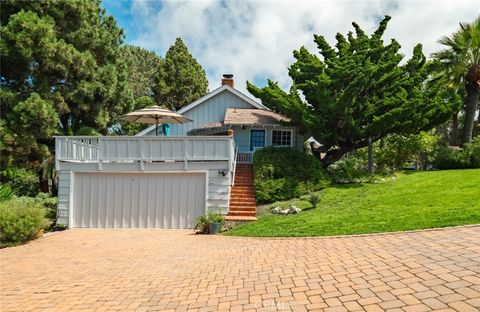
{"x":180,"y":79}
{"x":142,"y":68}
{"x":356,"y":92}
{"x":461,"y":65}
{"x":60,"y":72}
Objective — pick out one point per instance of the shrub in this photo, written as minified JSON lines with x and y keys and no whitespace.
{"x":447,"y":158}
{"x":284,"y":173}
{"x":469,"y":157}
{"x":23,"y":182}
{"x":398,"y":150}
{"x":473,"y":152}
{"x":6,"y":192}
{"x":20,"y":220}
{"x":50,"y":205}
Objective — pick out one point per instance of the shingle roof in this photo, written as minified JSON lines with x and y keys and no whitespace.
{"x":246,"y":116}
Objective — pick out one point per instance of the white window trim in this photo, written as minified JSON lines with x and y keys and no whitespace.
{"x":283,"y":130}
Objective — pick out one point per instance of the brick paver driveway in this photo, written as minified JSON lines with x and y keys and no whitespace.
{"x":174,"y":270}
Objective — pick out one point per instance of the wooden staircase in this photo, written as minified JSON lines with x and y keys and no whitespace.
{"x":242,"y":197}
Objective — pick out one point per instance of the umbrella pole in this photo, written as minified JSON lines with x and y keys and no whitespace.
{"x":156,"y":126}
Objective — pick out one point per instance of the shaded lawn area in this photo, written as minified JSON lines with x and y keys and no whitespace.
{"x":414,"y":200}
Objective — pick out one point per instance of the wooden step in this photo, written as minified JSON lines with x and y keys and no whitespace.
{"x":242,"y":199}
{"x":242,"y":213}
{"x":240,"y":218}
{"x":241,"y":206}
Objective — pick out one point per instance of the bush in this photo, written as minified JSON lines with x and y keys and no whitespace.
{"x":399,"y":150}
{"x":6,"y":192}
{"x":20,"y":220}
{"x":23,"y":182}
{"x":469,"y":157}
{"x":284,"y":173}
{"x":447,"y":158}
{"x":50,"y":205}
{"x":473,"y":152}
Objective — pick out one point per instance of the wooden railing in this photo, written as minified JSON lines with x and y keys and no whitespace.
{"x":127,"y":148}
{"x":245,"y":158}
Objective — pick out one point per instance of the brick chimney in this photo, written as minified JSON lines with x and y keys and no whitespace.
{"x":228,"y":80}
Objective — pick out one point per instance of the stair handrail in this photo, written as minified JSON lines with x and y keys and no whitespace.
{"x":234,"y":166}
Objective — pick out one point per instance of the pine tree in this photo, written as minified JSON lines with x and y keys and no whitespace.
{"x":357,"y":91}
{"x":180,"y":79}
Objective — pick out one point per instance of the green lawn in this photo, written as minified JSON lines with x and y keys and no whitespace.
{"x":416,"y":200}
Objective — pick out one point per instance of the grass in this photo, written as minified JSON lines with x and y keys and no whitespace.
{"x":416,"y":200}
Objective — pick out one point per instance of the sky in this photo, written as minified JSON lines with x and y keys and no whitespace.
{"x":254,"y":40}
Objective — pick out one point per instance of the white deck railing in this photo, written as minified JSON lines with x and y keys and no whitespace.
{"x":245,"y":158}
{"x":127,"y":148}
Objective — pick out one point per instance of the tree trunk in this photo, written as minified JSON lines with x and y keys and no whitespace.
{"x":43,"y":182}
{"x":332,"y":156}
{"x":454,"y":132}
{"x":370,"y":156}
{"x":472,"y":86}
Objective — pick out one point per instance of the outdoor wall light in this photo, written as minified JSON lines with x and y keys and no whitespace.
{"x":223,"y":172}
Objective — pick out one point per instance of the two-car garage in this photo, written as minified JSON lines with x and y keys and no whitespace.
{"x":137,"y":200}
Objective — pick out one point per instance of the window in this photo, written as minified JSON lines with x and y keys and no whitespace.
{"x":257,"y":139}
{"x":281,"y":138}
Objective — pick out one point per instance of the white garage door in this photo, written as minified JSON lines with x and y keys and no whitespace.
{"x":138,"y":200}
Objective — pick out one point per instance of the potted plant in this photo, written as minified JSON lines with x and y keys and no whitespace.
{"x":202,"y":225}
{"x":215,"y":221}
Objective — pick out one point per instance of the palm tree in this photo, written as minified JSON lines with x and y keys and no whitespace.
{"x":461,"y":63}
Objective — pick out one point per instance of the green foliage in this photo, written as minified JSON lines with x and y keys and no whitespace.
{"x":215,"y":218}
{"x":398,"y":150}
{"x":180,"y":79}
{"x":50,"y":204}
{"x":314,"y":199}
{"x":202,"y":222}
{"x":358,"y":90}
{"x":142,"y":66}
{"x":6,"y":192}
{"x":469,"y":157}
{"x":473,"y":149}
{"x":283,"y":173}
{"x":460,"y":65}
{"x":447,"y":158}
{"x":20,"y":220}
{"x":61,"y":72}
{"x":87,"y":131}
{"x":23,"y":182}
{"x":348,"y":169}
{"x":201,"y":225}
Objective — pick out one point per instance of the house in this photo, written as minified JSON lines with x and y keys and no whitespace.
{"x":254,"y":126}
{"x":149,"y":181}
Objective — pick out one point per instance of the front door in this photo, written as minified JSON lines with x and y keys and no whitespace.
{"x":257,"y":139}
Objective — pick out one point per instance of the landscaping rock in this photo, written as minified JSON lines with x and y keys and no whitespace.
{"x":291,"y":210}
{"x":294,"y":209}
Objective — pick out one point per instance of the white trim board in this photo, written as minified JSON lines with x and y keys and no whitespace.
{"x":209,"y":96}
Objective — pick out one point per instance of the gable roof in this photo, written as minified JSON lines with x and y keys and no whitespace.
{"x":245,"y":116}
{"x":209,"y":96}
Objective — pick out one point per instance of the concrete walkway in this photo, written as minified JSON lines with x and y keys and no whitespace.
{"x":159,"y":270}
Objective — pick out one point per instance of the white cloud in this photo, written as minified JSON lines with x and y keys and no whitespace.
{"x":254,"y":40}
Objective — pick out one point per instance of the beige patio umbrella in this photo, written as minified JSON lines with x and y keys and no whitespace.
{"x":155,"y":115}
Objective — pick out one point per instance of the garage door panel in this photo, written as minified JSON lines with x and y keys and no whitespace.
{"x":128,"y":200}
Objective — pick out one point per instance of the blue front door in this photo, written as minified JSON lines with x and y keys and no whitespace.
{"x":257,"y":139}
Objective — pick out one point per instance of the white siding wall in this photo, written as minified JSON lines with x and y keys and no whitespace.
{"x":212,"y":110}
{"x":63,"y":196}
